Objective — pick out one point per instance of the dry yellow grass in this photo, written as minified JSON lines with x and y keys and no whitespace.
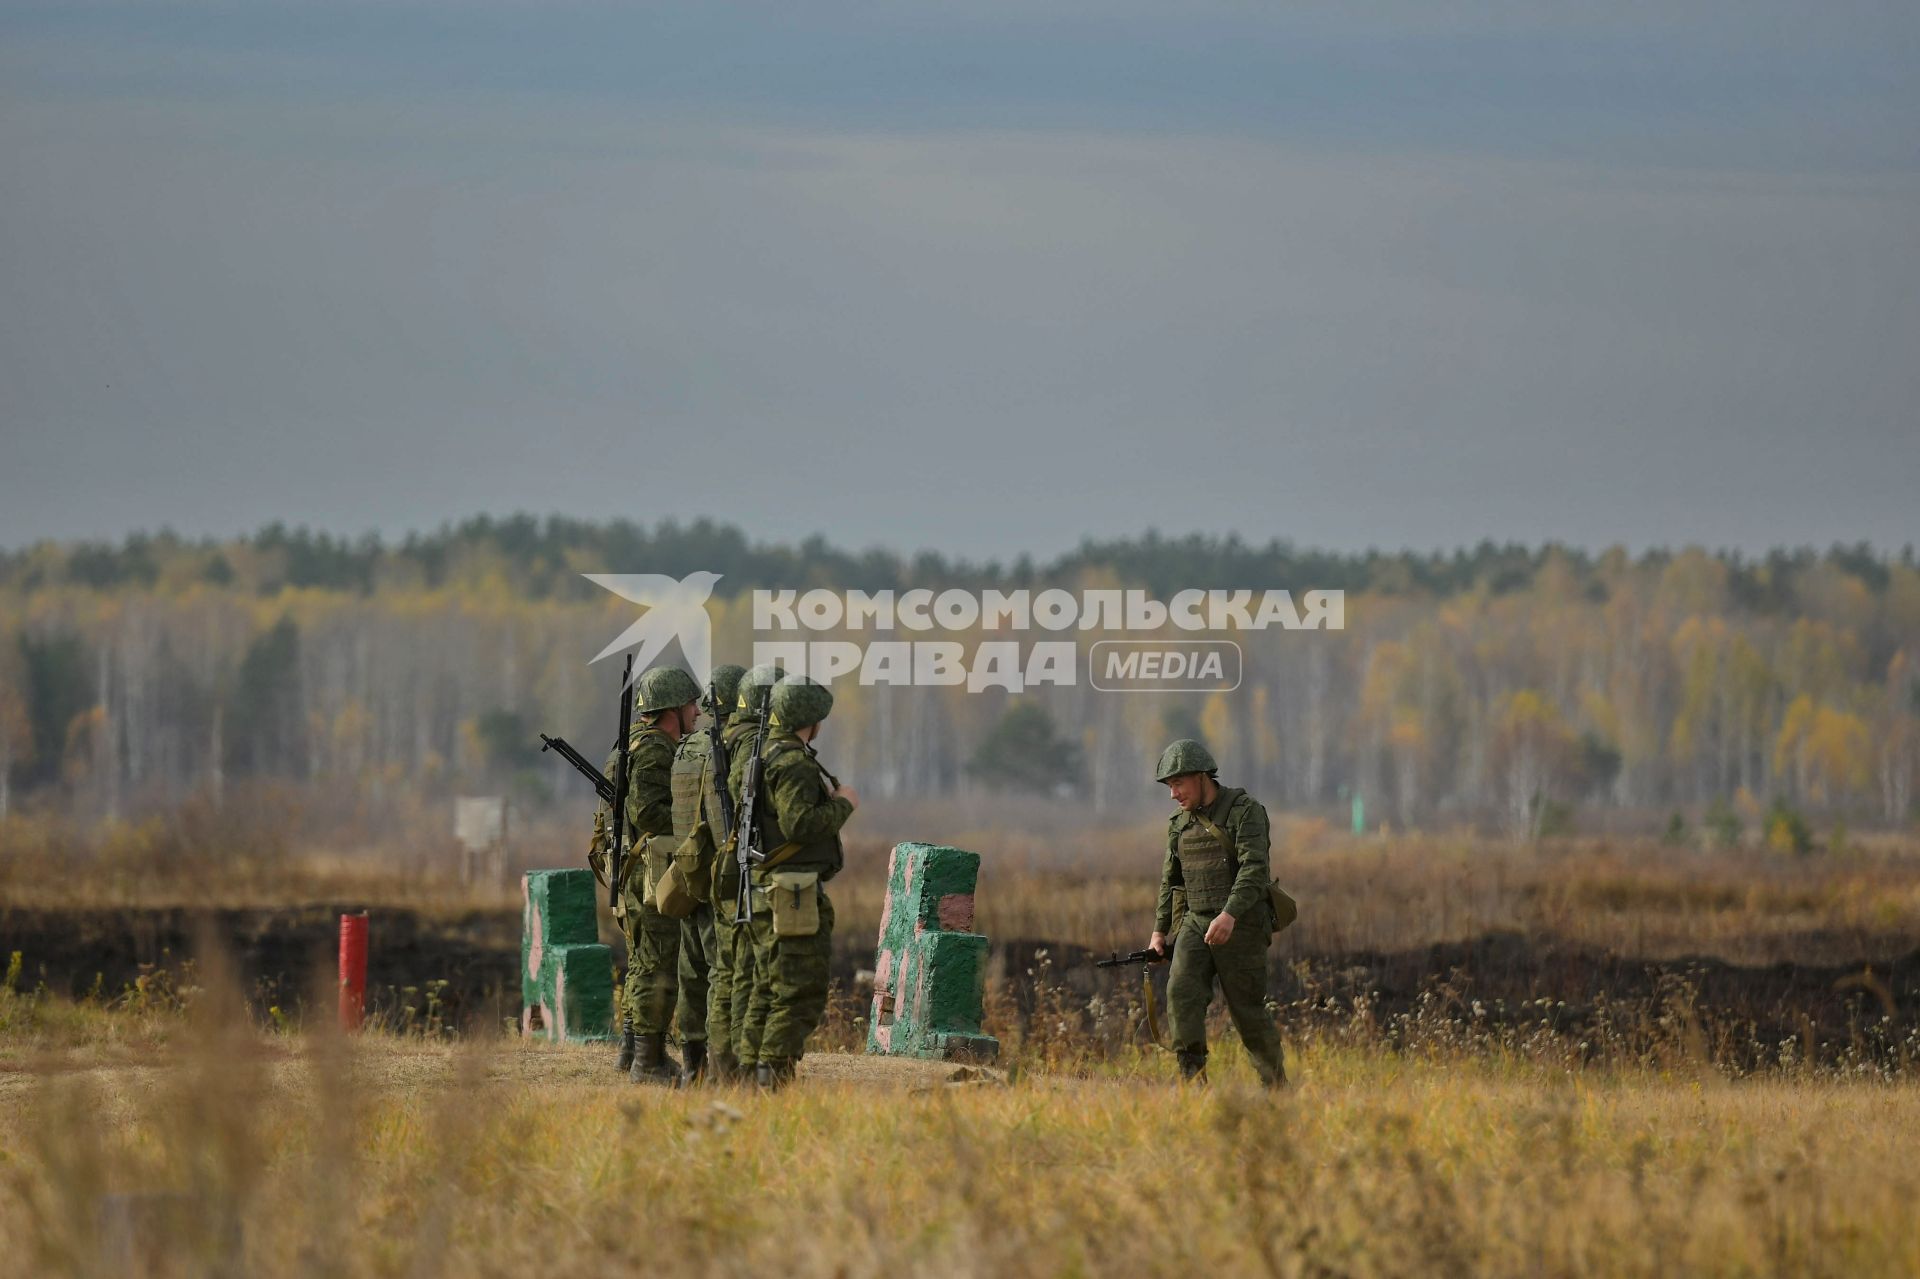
{"x":166,"y":1133}
{"x":389,"y":1156}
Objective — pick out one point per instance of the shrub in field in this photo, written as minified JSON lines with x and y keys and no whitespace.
{"x":1722,"y":825}
{"x":1787,"y":830}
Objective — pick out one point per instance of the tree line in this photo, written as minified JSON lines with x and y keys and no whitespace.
{"x":542,"y":558}
{"x":1503,"y":686}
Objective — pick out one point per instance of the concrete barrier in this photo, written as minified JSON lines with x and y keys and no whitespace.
{"x":566,"y":975}
{"x":931,"y":971}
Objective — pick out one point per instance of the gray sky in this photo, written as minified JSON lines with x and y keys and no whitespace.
{"x":986,"y":278}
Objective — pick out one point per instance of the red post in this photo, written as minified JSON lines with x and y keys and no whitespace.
{"x":353,"y":970}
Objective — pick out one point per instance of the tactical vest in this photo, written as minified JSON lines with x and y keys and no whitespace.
{"x":823,"y":855}
{"x":1207,"y":866}
{"x":689,"y":774}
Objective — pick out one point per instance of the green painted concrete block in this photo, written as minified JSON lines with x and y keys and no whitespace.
{"x":930,"y":977}
{"x":566,"y":975}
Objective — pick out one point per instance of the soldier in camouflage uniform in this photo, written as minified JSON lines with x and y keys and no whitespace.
{"x":1217,"y":866}
{"x":802,"y":808}
{"x":667,"y":702}
{"x":696,"y":816}
{"x":734,"y":941}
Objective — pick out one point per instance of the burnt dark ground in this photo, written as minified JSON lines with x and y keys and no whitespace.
{"x":463,"y":969}
{"x":282,"y":956}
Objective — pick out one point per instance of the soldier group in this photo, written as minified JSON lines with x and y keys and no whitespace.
{"x":741,"y":976}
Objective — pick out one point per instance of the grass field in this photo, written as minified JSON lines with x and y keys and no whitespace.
{"x":169,"y":1141}
{"x":184,"y":1125}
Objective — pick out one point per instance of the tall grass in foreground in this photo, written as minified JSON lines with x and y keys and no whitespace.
{"x":261,"y":1154}
{"x":167,"y":1132}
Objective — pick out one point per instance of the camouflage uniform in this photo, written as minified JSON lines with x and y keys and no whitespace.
{"x":800,"y":820}
{"x":704,"y":980}
{"x":733,"y":942}
{"x":1213,"y":877}
{"x":653,"y":940}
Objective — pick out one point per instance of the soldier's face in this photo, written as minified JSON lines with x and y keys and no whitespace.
{"x":1188,"y":790}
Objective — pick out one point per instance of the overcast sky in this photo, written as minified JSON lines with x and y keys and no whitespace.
{"x":987,"y":278}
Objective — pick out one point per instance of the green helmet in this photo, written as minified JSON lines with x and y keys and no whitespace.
{"x":725,"y":685}
{"x":1185,"y":756}
{"x":800,"y":700}
{"x":662,"y":688}
{"x":746,"y":694}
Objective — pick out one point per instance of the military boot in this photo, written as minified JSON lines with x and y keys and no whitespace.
{"x":774,"y":1075}
{"x":725,"y":1067}
{"x":624,"y":1062}
{"x":1193,"y":1066}
{"x":693,"y":1062}
{"x":650,"y":1064}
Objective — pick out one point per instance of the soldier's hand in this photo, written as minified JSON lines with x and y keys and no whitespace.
{"x":1220,"y":929}
{"x":1158,"y":945}
{"x":843,"y":791}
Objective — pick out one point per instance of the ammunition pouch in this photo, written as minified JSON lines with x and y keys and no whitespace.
{"x":640,"y":873}
{"x":671,"y":895}
{"x":683,"y":882}
{"x":795,"y":897}
{"x":693,"y":861}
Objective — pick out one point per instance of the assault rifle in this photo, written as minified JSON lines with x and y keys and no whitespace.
{"x":612,"y":792}
{"x":579,"y":761}
{"x":745,"y":851}
{"x":1137,"y":957}
{"x":617,"y":859}
{"x":717,"y":753}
